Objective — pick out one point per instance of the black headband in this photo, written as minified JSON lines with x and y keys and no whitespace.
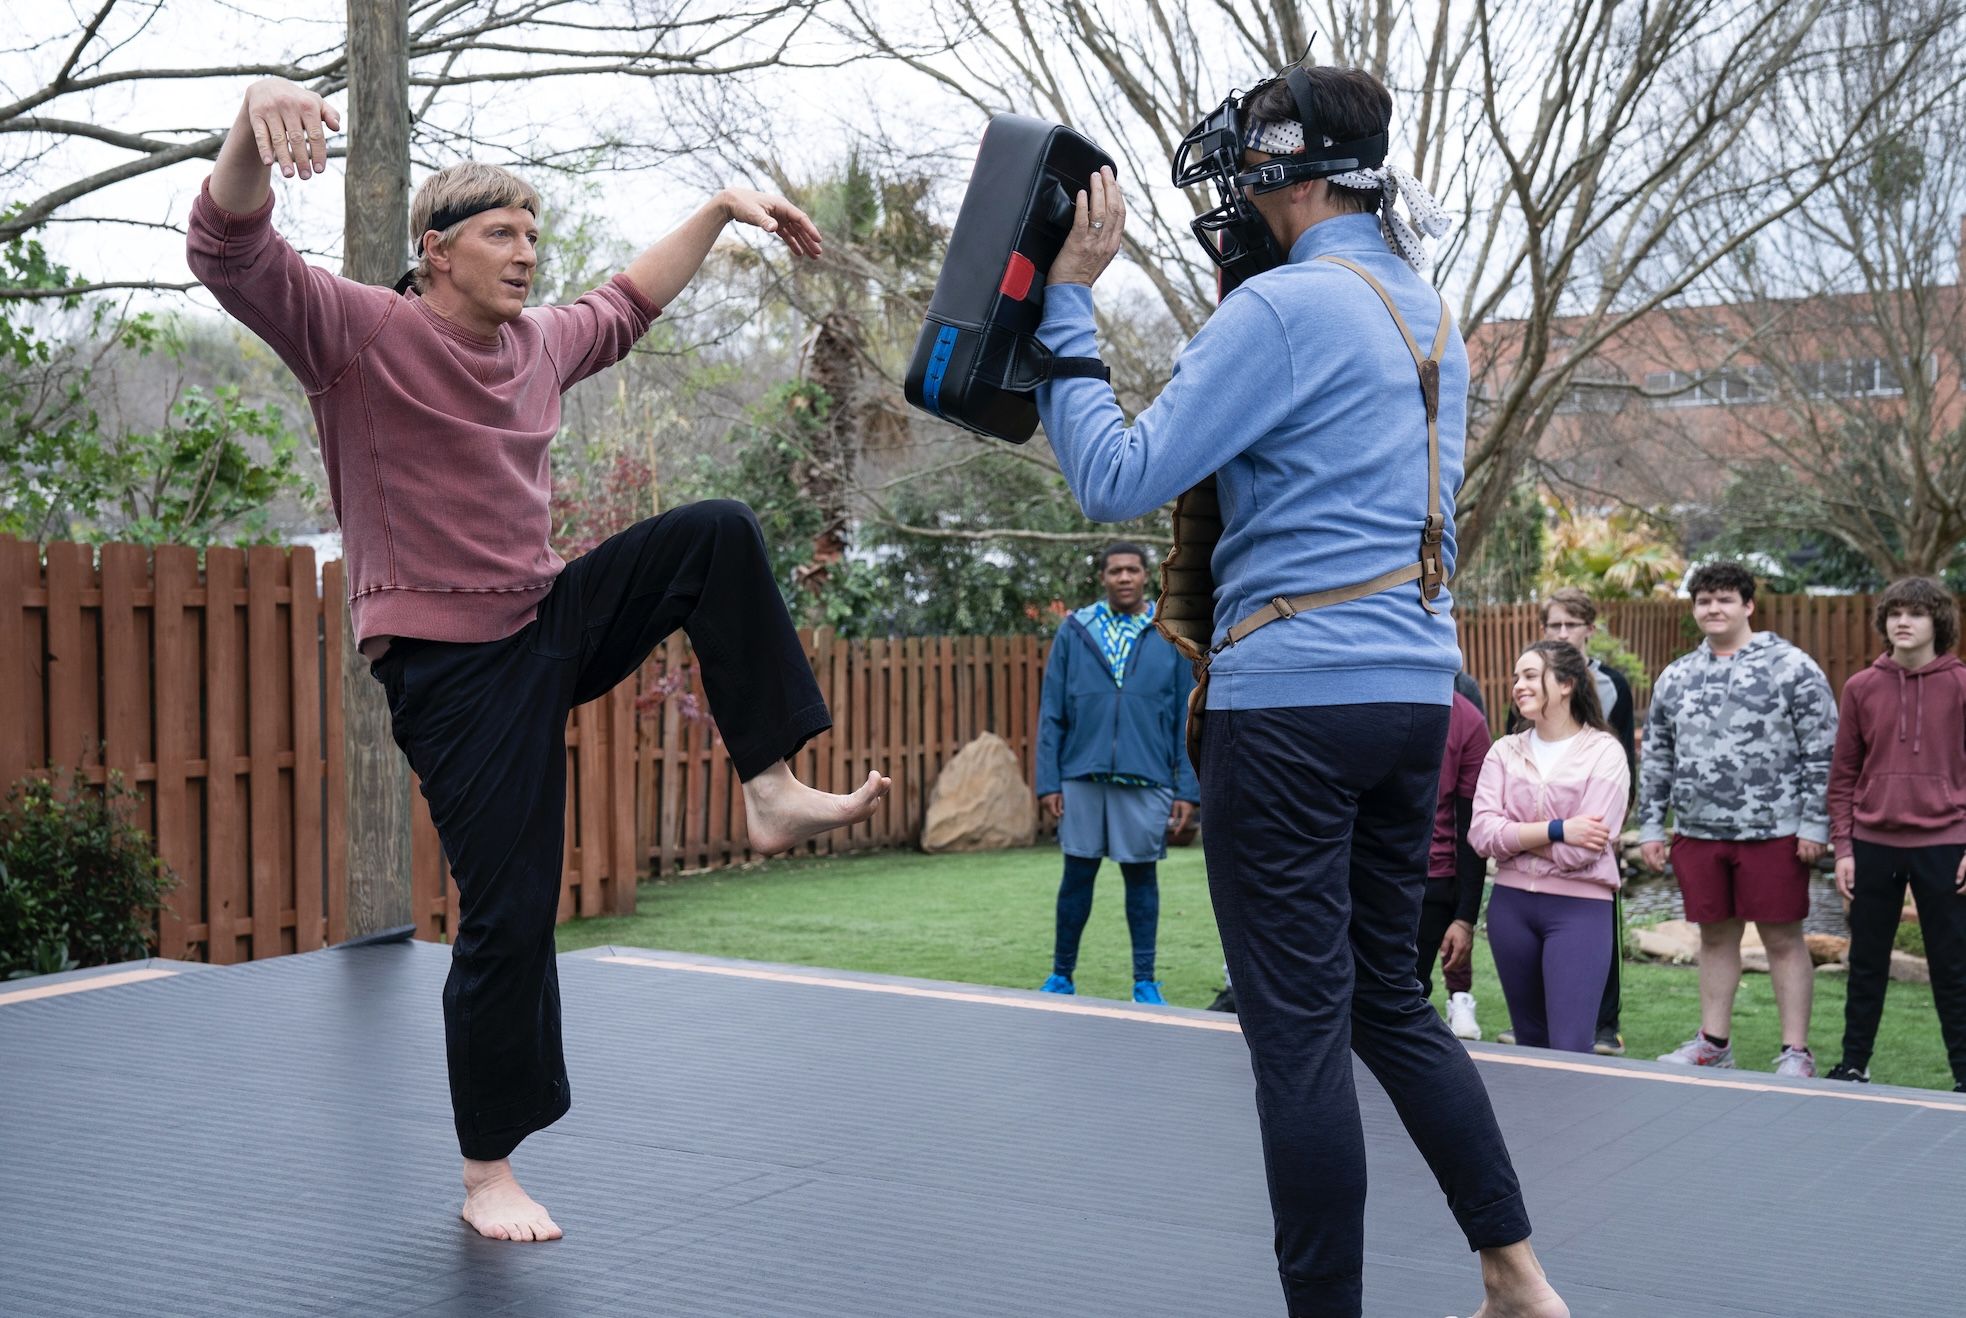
{"x":450,"y":215}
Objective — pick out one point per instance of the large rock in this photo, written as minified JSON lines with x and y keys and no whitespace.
{"x":1909,"y":969}
{"x":1674,"y":941}
{"x":981,"y":801}
{"x":1825,"y":949}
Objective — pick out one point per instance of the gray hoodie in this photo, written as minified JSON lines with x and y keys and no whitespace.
{"x":1739,"y":748}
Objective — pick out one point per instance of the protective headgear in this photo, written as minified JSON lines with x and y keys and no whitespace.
{"x":1235,"y":235}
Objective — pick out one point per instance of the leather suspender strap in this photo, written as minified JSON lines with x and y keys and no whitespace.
{"x":1280,"y":608}
{"x":1429,"y":570}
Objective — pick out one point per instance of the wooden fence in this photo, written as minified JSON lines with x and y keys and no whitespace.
{"x":1835,"y":630}
{"x":216,"y":693}
{"x":905,"y":706}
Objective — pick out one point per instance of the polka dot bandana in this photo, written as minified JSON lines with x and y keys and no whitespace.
{"x":1405,"y":234}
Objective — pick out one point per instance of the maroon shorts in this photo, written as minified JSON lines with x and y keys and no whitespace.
{"x":1760,"y":880}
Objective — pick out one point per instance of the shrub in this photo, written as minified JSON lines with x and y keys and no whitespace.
{"x":79,"y":883}
{"x":1610,"y":651}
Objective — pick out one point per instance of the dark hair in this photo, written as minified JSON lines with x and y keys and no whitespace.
{"x":1572,"y":600}
{"x":1121,"y":547}
{"x":1564,"y":662}
{"x":1348,"y":104}
{"x":1928,"y":597}
{"x":1722,"y":576}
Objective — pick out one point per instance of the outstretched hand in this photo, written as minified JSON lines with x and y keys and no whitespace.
{"x":290,"y":126}
{"x":775,"y":215}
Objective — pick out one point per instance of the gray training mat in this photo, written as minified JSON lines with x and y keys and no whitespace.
{"x":758,"y":1142}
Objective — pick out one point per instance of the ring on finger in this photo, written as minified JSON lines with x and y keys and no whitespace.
{"x":1098,"y":224}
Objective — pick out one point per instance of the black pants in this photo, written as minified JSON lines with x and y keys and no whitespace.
{"x":1436,"y":914}
{"x":484,"y":727}
{"x":1877,"y":898}
{"x":1609,"y":1006}
{"x":1317,"y":854}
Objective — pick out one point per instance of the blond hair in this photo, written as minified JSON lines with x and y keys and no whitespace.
{"x":468,"y":184}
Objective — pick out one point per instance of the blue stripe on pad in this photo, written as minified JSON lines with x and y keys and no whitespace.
{"x":938,"y":366}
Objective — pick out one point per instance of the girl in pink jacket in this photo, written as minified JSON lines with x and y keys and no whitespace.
{"x":1550,"y":801}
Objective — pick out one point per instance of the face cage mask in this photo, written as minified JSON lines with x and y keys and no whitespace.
{"x":1234,"y":233}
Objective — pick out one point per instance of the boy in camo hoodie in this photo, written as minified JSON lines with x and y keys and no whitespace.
{"x":1737,"y":745}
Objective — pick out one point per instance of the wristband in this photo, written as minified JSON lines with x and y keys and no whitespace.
{"x":1556,"y":830}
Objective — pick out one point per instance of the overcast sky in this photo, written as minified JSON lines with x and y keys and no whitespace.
{"x":819,"y":111}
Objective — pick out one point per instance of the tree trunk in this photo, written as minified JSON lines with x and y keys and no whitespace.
{"x":833,"y":363}
{"x":376,"y":227}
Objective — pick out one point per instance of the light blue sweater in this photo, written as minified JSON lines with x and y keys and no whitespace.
{"x":1300,"y":395}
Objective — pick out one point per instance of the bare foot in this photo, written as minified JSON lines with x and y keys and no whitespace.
{"x":1516,"y":1286}
{"x":497,"y":1208}
{"x":781,"y":812}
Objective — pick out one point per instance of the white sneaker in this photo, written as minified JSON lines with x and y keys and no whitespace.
{"x":1461,"y":1016}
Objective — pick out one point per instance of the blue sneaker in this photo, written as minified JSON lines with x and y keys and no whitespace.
{"x":1057,"y":984}
{"x":1148,"y":991}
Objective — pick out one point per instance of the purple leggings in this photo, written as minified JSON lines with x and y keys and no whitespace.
{"x":1552,"y":955}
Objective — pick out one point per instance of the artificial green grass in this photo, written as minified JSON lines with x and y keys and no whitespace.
{"x":987,"y":919}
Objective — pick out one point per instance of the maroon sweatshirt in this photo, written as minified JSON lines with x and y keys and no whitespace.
{"x":1460,"y":774}
{"x":435,"y":440}
{"x":1899,"y":773}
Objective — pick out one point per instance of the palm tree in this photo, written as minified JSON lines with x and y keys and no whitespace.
{"x":1617,"y":555}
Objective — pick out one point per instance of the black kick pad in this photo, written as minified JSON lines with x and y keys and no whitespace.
{"x":978,"y":362}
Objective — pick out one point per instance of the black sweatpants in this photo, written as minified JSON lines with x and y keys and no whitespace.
{"x":1437,"y":912}
{"x":1611,"y":1005}
{"x":1317,"y":856}
{"x":1878,"y":895}
{"x":484,"y":727}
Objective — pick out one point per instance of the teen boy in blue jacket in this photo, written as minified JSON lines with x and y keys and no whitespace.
{"x":1112,"y":759}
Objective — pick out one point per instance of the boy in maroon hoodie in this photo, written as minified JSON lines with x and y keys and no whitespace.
{"x":436,"y":403}
{"x":1897,"y":809}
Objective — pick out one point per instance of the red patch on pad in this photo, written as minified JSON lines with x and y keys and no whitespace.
{"x":1017,"y":276}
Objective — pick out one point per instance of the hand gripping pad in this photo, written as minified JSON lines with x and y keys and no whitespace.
{"x":978,"y":362}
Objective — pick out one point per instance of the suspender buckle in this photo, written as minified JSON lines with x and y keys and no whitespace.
{"x":1432,"y":574}
{"x":1283,"y":608}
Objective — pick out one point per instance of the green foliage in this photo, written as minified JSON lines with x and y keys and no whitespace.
{"x":46,"y":422}
{"x":79,"y":884}
{"x":758,"y":465}
{"x":951,"y":584}
{"x":921,"y":570}
{"x":1505,"y":568}
{"x":194,"y":481}
{"x":1611,"y":651}
{"x":1619,"y":555}
{"x":1910,"y":938}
